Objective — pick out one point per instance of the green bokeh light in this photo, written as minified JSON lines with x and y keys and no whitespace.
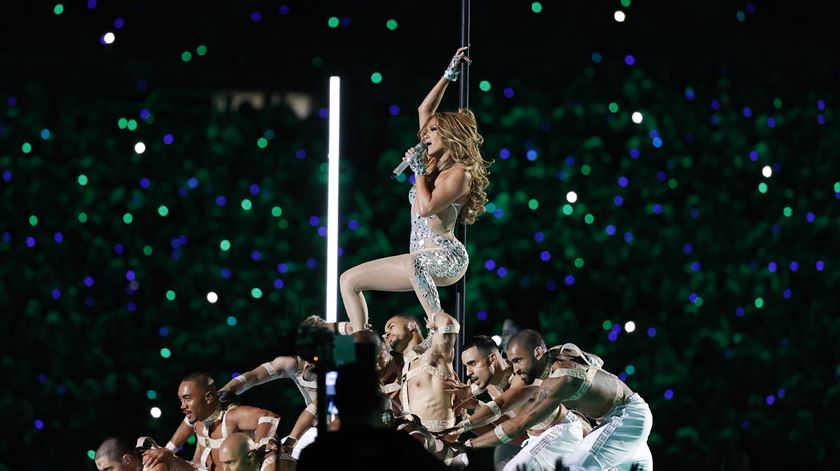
{"x":629,"y":369}
{"x":568,"y":209}
{"x":224,"y":245}
{"x":127,"y":218}
{"x":186,"y":56}
{"x":131,"y":125}
{"x":256,"y":293}
{"x":231,"y":321}
{"x":698,"y":302}
{"x":83,"y":180}
{"x":625,"y":3}
{"x":759,"y":303}
{"x":170,"y":295}
{"x":33,"y":220}
{"x":740,"y":15}
{"x":391,"y":24}
{"x":277,"y":211}
{"x":589,"y":219}
{"x":58,"y":9}
{"x":585,"y":169}
{"x":191,"y":440}
{"x":26,"y":148}
{"x":579,"y":262}
{"x":163,"y":210}
{"x":91,"y":454}
{"x":607,"y":325}
{"x":484,"y":86}
{"x":333,"y":22}
{"x":262,"y":143}
{"x":533,"y":204}
{"x":151,"y":394}
{"x":165,"y":352}
{"x":788,"y":212}
{"x":147,"y":250}
{"x":777,"y":103}
{"x":376,"y":77}
{"x":201,"y":50}
{"x":122,"y":123}
{"x":246,"y":204}
{"x":762,"y":187}
{"x":83,"y":217}
{"x":536,"y":7}
{"x":613,"y":107}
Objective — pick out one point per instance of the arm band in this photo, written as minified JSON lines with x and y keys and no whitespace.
{"x":171,"y":447}
{"x":245,"y":386}
{"x":501,"y":435}
{"x":272,"y":373}
{"x":497,"y":412}
{"x":271,"y":431}
{"x":312,"y":410}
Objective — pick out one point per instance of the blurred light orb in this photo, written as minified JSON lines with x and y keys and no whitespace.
{"x":109,"y":38}
{"x":619,"y":16}
{"x":767,"y":171}
{"x":212,"y":297}
{"x":139,"y":147}
{"x":155,"y":411}
{"x":637,"y":117}
{"x":571,"y":197}
{"x":629,"y":326}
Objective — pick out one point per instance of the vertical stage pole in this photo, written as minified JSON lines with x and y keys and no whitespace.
{"x":461,"y":228}
{"x":332,"y":200}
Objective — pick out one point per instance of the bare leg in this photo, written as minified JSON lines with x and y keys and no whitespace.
{"x":407,"y":272}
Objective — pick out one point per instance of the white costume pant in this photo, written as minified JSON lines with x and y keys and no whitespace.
{"x":542,"y":452}
{"x":619,"y":441}
{"x":305,"y":440}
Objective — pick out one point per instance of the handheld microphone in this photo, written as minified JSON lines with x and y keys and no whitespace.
{"x":418,"y":149}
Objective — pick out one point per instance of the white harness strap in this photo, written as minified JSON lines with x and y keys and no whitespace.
{"x":408,"y":374}
{"x":211,"y":444}
{"x":390,"y":387}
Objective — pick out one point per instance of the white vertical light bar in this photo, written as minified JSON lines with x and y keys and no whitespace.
{"x":332,"y":201}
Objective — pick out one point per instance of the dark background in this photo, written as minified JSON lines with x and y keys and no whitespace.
{"x":728,"y":388}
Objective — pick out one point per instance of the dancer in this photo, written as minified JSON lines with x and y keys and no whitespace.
{"x":200,"y":403}
{"x":424,"y":378}
{"x":450,"y":180}
{"x":574,"y":378}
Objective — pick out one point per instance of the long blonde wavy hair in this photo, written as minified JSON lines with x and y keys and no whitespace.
{"x":461,"y":140}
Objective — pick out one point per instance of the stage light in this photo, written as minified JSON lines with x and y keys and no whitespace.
{"x":637,"y":117}
{"x":155,"y":411}
{"x":571,"y":197}
{"x":619,"y":16}
{"x":109,"y":38}
{"x":139,"y":147}
{"x":332,"y":199}
{"x":212,"y":297}
{"x":629,"y":327}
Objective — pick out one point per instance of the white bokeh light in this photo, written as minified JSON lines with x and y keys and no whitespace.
{"x":571,"y":197}
{"x":619,"y":16}
{"x":767,"y":171}
{"x":637,"y":117}
{"x":212,"y":297}
{"x":109,"y":38}
{"x":155,"y":412}
{"x":497,"y":339}
{"x":139,"y":147}
{"x":629,"y":326}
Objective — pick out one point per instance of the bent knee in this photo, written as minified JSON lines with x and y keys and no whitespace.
{"x":349,"y":281}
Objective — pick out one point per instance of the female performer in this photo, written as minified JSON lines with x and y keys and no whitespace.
{"x":450,"y":178}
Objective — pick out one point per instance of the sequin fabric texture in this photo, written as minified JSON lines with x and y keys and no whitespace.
{"x":448,"y":259}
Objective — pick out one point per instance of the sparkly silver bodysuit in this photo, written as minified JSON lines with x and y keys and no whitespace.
{"x":445,"y":258}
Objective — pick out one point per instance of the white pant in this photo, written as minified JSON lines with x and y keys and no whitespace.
{"x":619,"y":441}
{"x":542,"y":452}
{"x":304,"y":441}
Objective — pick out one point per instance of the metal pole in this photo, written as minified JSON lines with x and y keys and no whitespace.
{"x":461,"y":228}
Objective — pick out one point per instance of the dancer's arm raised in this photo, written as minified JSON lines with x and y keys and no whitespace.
{"x":432,"y":101}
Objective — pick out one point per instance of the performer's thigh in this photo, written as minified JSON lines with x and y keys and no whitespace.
{"x":383,"y":274}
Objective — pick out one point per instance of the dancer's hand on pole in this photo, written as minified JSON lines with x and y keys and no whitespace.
{"x":454,"y":69}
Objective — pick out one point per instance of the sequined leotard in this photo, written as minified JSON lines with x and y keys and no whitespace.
{"x":435,"y":255}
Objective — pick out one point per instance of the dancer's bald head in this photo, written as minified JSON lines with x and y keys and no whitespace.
{"x":526,"y":353}
{"x":528,"y":339}
{"x":234,"y":453}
